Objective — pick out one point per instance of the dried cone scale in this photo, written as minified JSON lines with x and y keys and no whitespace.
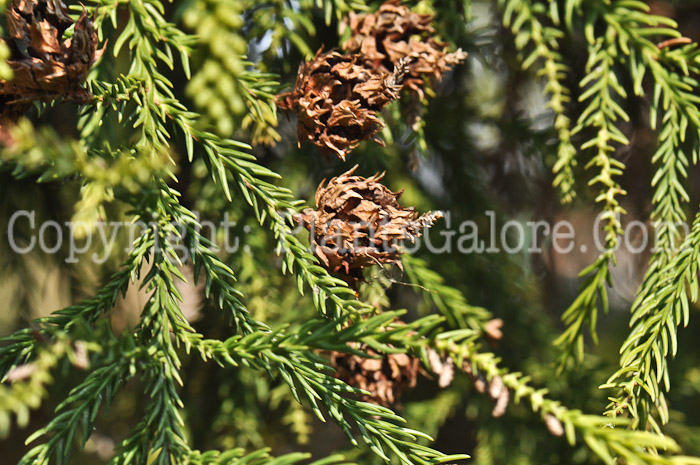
{"x":393,"y":33}
{"x":337,"y":98}
{"x":359,"y":223}
{"x":45,"y":65}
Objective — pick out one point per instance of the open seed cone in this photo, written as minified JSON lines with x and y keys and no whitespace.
{"x":359,"y":223}
{"x":393,"y":33}
{"x":45,"y":65}
{"x":336,"y":99}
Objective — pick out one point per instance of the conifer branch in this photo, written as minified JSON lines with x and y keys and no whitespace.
{"x":228,"y":90}
{"x":643,"y":376}
{"x":159,"y":438}
{"x":602,"y":90}
{"x":449,"y":301}
{"x":143,"y":104}
{"x":29,"y":381}
{"x":643,"y":362}
{"x":289,"y":353}
{"x":299,"y":369}
{"x":21,"y":346}
{"x":79,"y":410}
{"x":597,"y":432}
{"x":258,"y":457}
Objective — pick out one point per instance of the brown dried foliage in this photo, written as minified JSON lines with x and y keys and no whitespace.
{"x":337,"y":98}
{"x":495,"y":388}
{"x":386,"y":377}
{"x":393,"y":33}
{"x":492,"y":329}
{"x":359,"y":223}
{"x":45,"y":65}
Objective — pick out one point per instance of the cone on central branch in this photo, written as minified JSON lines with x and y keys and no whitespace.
{"x":336,"y":99}
{"x":358,"y":223}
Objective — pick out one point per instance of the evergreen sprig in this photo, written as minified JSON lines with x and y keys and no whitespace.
{"x":525,"y":19}
{"x":603,"y":91}
{"x":626,"y":40}
{"x":675,"y":105}
{"x":30,"y":381}
{"x":643,"y":376}
{"x":597,"y":432}
{"x":78,"y":410}
{"x":449,"y":301}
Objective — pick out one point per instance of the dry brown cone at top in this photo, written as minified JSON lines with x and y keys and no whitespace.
{"x":386,"y":378}
{"x":394,"y":32}
{"x":359,"y":223}
{"x":45,"y":65}
{"x":337,"y":97}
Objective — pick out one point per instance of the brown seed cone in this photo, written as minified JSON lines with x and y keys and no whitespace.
{"x":394,"y":32}
{"x":337,"y":97}
{"x":359,"y":223}
{"x":45,"y":66}
{"x":386,"y":378}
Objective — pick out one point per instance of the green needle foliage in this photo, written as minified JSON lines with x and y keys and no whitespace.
{"x":624,"y":45}
{"x":182,"y":128}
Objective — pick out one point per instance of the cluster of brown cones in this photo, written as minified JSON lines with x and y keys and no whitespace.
{"x":358,"y":222}
{"x":45,"y":65}
{"x":337,"y":97}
